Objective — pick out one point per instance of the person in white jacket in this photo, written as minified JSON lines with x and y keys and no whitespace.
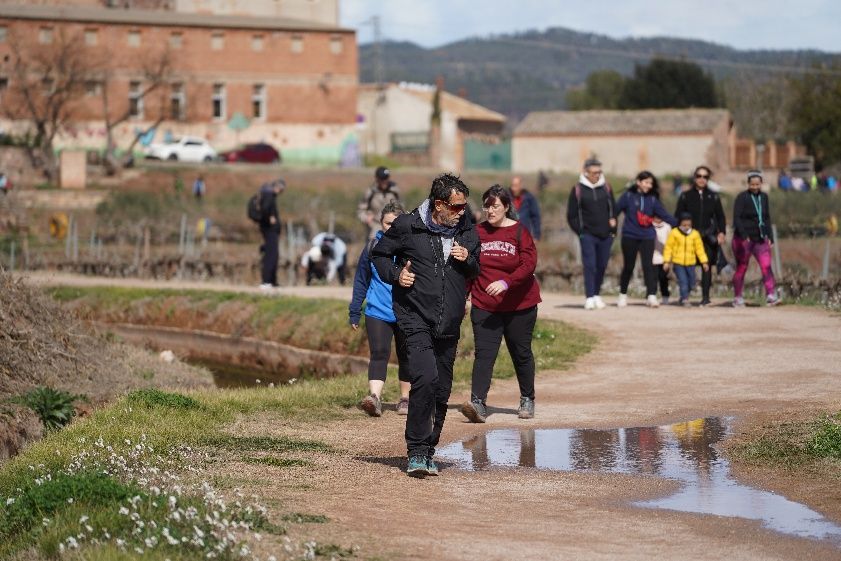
{"x":661,"y":230}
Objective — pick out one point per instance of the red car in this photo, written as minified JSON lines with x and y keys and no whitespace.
{"x":260,"y":153}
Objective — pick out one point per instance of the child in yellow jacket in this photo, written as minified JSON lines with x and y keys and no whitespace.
{"x":684,"y":248}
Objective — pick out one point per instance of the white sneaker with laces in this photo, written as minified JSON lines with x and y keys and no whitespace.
{"x":623,"y":301}
{"x":652,"y":302}
{"x":738,"y":302}
{"x":600,"y":305}
{"x":590,"y":304}
{"x":265,"y":287}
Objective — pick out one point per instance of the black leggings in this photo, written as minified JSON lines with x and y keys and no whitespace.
{"x":379,"y":342}
{"x":663,"y":278}
{"x":630,"y":249}
{"x":488,"y":330}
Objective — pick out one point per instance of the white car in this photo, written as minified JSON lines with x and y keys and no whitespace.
{"x":184,"y":149}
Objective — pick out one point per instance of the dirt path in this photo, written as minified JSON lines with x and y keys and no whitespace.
{"x":651,"y":367}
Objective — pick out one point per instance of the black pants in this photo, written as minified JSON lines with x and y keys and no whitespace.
{"x":488,"y":330}
{"x":379,"y":342}
{"x":707,"y":276}
{"x":271,"y":237}
{"x":431,"y":373}
{"x":663,"y":278}
{"x":645,"y":249}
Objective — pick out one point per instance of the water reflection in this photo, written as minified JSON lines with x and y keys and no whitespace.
{"x":683,"y":451}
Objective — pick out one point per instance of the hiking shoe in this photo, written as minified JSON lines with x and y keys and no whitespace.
{"x":685,"y":303}
{"x":403,"y":406}
{"x":705,"y":303}
{"x":474,"y":410}
{"x":526,"y":410}
{"x":590,"y":304}
{"x":431,"y":467}
{"x":623,"y":301}
{"x":372,"y":405}
{"x":772,"y":301}
{"x":738,"y":302}
{"x":652,"y":301}
{"x":600,"y":305}
{"x":417,"y":466}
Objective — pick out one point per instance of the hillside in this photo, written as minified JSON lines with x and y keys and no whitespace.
{"x":522,"y":72}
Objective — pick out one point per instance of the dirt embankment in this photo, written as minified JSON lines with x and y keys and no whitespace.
{"x":42,"y":344}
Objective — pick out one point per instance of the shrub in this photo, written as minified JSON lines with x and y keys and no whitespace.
{"x":826,"y":442}
{"x":54,"y":407}
{"x":151,"y":397}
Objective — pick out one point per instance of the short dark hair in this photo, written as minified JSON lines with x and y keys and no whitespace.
{"x":392,"y":207}
{"x":684,"y":216}
{"x":503,"y":195}
{"x":703,"y":167}
{"x":444,"y":185}
{"x":592,"y":162}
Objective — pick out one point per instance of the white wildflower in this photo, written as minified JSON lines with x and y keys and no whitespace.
{"x":10,"y":501}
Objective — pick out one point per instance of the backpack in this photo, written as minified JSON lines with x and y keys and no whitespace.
{"x":253,"y":209}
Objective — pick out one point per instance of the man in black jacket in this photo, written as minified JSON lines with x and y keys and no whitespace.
{"x":428,"y":255}
{"x":707,"y":218}
{"x":270,"y":229}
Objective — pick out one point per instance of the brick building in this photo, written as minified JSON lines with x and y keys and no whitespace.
{"x":294,"y":81}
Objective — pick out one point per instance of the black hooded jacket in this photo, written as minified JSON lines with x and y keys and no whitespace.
{"x":437,"y":299}
{"x":706,"y":210}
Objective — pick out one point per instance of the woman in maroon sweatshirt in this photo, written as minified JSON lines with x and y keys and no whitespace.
{"x":505,"y":298}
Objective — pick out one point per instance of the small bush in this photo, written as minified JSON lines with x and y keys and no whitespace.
{"x":826,"y":442}
{"x":54,"y":407}
{"x":151,"y":397}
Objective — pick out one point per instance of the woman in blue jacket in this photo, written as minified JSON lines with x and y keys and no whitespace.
{"x":641,"y":203}
{"x":380,"y":323}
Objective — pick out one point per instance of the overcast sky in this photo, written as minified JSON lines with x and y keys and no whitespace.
{"x":744,"y":24}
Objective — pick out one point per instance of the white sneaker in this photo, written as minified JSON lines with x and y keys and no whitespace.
{"x":652,"y":302}
{"x":590,"y":304}
{"x":738,"y":302}
{"x":600,"y":305}
{"x":623,"y":301}
{"x":265,"y":287}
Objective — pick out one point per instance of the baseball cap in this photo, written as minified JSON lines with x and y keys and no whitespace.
{"x":382,"y":173}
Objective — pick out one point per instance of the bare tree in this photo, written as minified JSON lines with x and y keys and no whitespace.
{"x":47,"y":82}
{"x":157,"y":76}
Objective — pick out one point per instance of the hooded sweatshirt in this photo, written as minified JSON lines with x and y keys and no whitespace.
{"x":637,"y":207}
{"x":590,"y":207}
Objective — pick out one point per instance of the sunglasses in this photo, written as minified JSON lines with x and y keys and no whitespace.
{"x":699,"y":176}
{"x":457,"y":208}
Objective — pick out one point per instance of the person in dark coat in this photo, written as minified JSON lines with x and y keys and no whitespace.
{"x":527,"y":207}
{"x":428,"y":256}
{"x":708,"y":218}
{"x":270,"y":230}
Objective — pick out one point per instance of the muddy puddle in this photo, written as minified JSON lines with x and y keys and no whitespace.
{"x":684,"y":452}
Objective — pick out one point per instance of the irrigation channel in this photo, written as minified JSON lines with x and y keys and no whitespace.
{"x":239,"y":361}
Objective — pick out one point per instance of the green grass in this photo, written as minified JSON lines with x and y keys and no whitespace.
{"x":793,"y":445}
{"x":301,"y":518}
{"x":277,"y":462}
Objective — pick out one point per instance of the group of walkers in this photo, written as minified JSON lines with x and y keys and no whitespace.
{"x":695,"y":237}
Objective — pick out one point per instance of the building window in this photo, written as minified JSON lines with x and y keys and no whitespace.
{"x":177,"y":102}
{"x":45,"y":35}
{"x":93,"y":88}
{"x":256,"y":42}
{"x":258,"y":101}
{"x":91,"y":37}
{"x":2,"y":33}
{"x":135,"y":100}
{"x":297,"y":45}
{"x":217,"y":41}
{"x":134,"y":38}
{"x":337,"y":45}
{"x":218,"y":101}
{"x":176,"y":40}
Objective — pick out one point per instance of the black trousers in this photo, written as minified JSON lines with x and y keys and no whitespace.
{"x":431,"y":373}
{"x":707,"y":277}
{"x":271,"y":238}
{"x":663,"y":279}
{"x":489,"y":328}
{"x":380,"y":334}
{"x":645,"y":249}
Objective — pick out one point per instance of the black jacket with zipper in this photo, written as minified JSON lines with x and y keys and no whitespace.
{"x":436,"y":300}
{"x":746,"y":220}
{"x":594,"y":208}
{"x":706,"y":210}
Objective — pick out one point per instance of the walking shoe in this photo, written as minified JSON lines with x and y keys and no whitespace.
{"x":705,"y":303}
{"x":590,"y":304}
{"x":417,"y":466}
{"x":685,"y":303}
{"x":652,"y":302}
{"x":474,"y":410}
{"x":623,"y":301}
{"x":431,"y":467}
{"x":600,"y":305}
{"x":665,"y":301}
{"x":266,"y":287}
{"x":772,"y":300}
{"x":738,"y":302}
{"x":526,"y":410}
{"x":403,"y":406}
{"x":372,"y":405}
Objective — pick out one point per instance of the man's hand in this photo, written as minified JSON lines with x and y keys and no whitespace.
{"x":459,"y":252}
{"x":667,"y":266}
{"x":612,"y":222}
{"x":705,"y":266}
{"x":272,"y":220}
{"x":496,"y":288}
{"x":355,"y":326}
{"x":406,"y":277}
{"x":721,"y":238}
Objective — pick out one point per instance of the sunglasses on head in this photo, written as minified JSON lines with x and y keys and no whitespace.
{"x":457,"y":208}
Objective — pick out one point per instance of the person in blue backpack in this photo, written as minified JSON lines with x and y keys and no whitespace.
{"x":641,"y":204}
{"x":380,"y":323}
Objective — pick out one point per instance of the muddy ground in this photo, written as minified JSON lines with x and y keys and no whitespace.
{"x":651,"y":367}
